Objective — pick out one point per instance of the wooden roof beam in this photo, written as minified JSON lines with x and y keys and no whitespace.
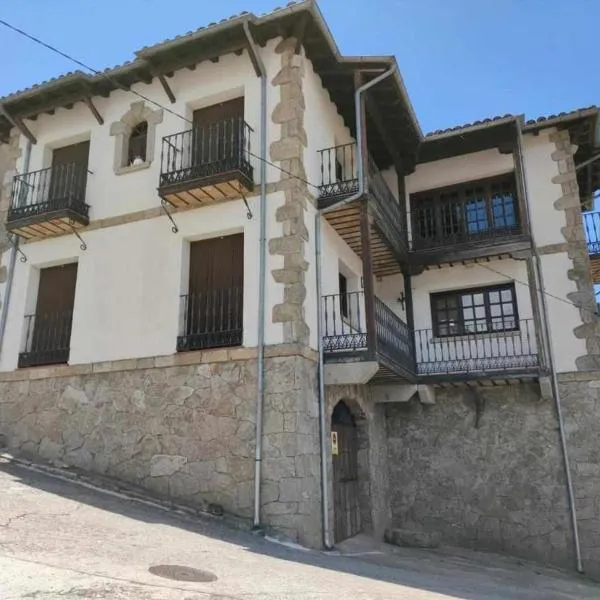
{"x":167,"y":88}
{"x":93,"y":110}
{"x":377,"y":119}
{"x":18,"y":123}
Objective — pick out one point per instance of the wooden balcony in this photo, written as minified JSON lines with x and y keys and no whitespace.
{"x":339,"y":181}
{"x":207,"y":164}
{"x":350,"y":335}
{"x":497,"y":356}
{"x":591,"y":224}
{"x":49,"y":202}
{"x":475,"y":220}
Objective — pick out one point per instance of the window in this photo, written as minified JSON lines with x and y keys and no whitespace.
{"x":48,"y":329}
{"x":480,"y":310}
{"x":212,"y":312}
{"x":136,"y":150}
{"x":466,"y":212}
{"x":343,"y":282}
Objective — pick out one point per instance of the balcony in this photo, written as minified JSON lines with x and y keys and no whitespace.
{"x":209,"y":163}
{"x":49,"y":202}
{"x":47,"y":339}
{"x":502,"y":355}
{"x":339,"y":181}
{"x":403,"y":355}
{"x":481,"y":218}
{"x":591,"y":225}
{"x":212,"y":319}
{"x":346,"y":337}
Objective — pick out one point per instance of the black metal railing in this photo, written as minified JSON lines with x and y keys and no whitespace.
{"x":211,"y":319}
{"x":389,"y":216}
{"x":47,"y":339}
{"x":58,"y":188}
{"x":207,"y":151}
{"x":345,"y":329}
{"x":394,"y":338}
{"x":460,"y":221}
{"x":501,"y":351}
{"x":591,"y":224}
{"x":344,"y":322}
{"x":339,"y":171}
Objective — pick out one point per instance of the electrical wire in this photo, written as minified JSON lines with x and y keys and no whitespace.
{"x":129,"y":90}
{"x":548,"y":294}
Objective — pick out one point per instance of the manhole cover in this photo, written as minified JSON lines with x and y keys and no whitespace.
{"x":181,"y":573}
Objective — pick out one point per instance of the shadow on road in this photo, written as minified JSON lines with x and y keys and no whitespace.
{"x":489,"y":577}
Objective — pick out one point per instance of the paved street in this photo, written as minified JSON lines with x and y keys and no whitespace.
{"x":61,"y":540}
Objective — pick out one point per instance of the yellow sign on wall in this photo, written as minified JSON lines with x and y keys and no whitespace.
{"x":334,"y":443}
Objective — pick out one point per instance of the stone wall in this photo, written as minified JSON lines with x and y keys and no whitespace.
{"x":185,"y":431}
{"x":486,"y":470}
{"x":292,"y":243}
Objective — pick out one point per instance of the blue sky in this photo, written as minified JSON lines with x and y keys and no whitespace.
{"x":462,"y":60}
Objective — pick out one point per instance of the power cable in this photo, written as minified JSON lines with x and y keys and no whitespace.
{"x":550,"y":295}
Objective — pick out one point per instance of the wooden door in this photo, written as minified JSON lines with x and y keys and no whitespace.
{"x":216,"y":291}
{"x":345,"y":474}
{"x":54,"y":312}
{"x":218,"y":134}
{"x":69,"y":173}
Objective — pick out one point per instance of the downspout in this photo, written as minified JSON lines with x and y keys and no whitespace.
{"x":327,"y":537}
{"x":551,"y":364}
{"x":12,"y":261}
{"x":253,"y":48}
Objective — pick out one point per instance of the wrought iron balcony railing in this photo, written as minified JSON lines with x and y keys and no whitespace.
{"x":591,"y":224}
{"x":207,"y":151}
{"x":476,"y":352}
{"x":345,"y":329}
{"x":339,"y":179}
{"x":211,"y":319}
{"x":47,"y":339}
{"x":53,"y":192}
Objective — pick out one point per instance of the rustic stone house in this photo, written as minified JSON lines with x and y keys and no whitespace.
{"x":240,"y":275}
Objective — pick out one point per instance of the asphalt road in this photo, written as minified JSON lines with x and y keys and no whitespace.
{"x":61,"y":540}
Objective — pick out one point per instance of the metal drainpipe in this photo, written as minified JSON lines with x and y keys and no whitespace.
{"x":551,"y":365}
{"x":261,"y":274}
{"x":327,"y":537}
{"x":12,"y":261}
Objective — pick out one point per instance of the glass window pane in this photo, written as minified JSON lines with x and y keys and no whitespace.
{"x":507,"y":309}
{"x":478,"y":298}
{"x":480,"y":312}
{"x":496,"y":310}
{"x":468,"y":314}
{"x":494,"y":296}
{"x":467,"y":300}
{"x":507,"y":295}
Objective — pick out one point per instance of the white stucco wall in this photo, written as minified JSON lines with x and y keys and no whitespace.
{"x":109,"y":195}
{"x":129,"y":281}
{"x":546,"y":222}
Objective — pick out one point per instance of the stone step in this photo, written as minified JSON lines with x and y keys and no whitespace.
{"x":413,"y":539}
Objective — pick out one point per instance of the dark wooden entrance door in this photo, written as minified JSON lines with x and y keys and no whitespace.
{"x":54,"y":314}
{"x":216,"y":292}
{"x":345,"y":474}
{"x":69,"y":173}
{"x":217,"y":138}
